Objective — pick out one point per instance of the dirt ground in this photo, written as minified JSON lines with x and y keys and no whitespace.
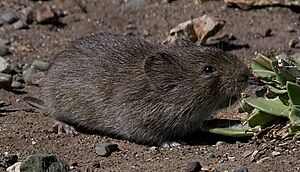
{"x":25,"y":131}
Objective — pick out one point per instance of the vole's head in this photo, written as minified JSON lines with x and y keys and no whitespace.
{"x":198,"y":75}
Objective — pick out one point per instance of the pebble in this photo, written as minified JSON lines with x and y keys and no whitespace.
{"x":193,"y":167}
{"x":106,"y":149}
{"x":275,"y":153}
{"x":20,"y":25}
{"x":43,"y":162}
{"x":5,"y":81}
{"x":28,"y":75}
{"x":4,"y":50}
{"x":16,"y":84}
{"x":238,"y":144}
{"x":242,"y":169}
{"x":3,"y":64}
{"x":45,"y":14}
{"x":231,"y":158}
{"x":9,"y":17}
{"x":154,"y":149}
{"x":10,"y":159}
{"x":219,"y":143}
{"x":40,"y":65}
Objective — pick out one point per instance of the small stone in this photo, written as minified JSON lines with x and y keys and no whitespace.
{"x":10,"y":159}
{"x":193,"y":167}
{"x":238,"y":144}
{"x":14,"y":168}
{"x":275,"y":153}
{"x":242,"y":169}
{"x":211,"y":155}
{"x":293,"y":43}
{"x":28,"y":75}
{"x":20,"y":25}
{"x":43,"y":162}
{"x":106,"y":149}
{"x":219,"y":143}
{"x":231,"y":158}
{"x":154,"y":149}
{"x":3,"y":64}
{"x":9,"y":17}
{"x":16,"y":84}
{"x":40,"y":65}
{"x":4,"y":50}
{"x":45,"y":14}
{"x":5,"y":81}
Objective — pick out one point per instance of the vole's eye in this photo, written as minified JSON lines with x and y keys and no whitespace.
{"x":208,"y":70}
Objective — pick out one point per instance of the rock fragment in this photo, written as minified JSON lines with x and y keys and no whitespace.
{"x":43,"y":162}
{"x":3,"y":64}
{"x":40,"y":65}
{"x":9,"y":17}
{"x":44,"y":15}
{"x":193,"y":167}
{"x":106,"y":149}
{"x":198,"y":29}
{"x":5,"y":81}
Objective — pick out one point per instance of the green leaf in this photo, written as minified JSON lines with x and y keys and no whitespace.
{"x":225,"y":127}
{"x":294,"y":92}
{"x":296,"y":58}
{"x":259,"y":118}
{"x":263,"y":61}
{"x":279,"y":77}
{"x":277,"y":90}
{"x":295,"y":118}
{"x":270,"y":106}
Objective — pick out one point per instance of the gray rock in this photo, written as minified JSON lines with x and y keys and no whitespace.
{"x":20,"y":25}
{"x":193,"y":167}
{"x":3,"y":64}
{"x":4,"y":50}
{"x":242,"y":169}
{"x":28,"y":75}
{"x":43,"y":162}
{"x":9,"y":17}
{"x":106,"y":149}
{"x":5,"y":81}
{"x":40,"y":65}
{"x":16,"y":84}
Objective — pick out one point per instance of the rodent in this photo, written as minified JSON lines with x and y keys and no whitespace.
{"x":140,"y":91}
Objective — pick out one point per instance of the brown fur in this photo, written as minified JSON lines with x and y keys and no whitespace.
{"x":144,"y":92}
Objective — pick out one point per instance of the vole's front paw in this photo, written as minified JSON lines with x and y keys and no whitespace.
{"x":172,"y":144}
{"x":60,"y":127}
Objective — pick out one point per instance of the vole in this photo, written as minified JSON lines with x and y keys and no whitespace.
{"x":140,"y":91}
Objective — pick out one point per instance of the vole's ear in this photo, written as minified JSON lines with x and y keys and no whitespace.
{"x":163,"y":71}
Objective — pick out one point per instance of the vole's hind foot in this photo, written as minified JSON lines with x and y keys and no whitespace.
{"x":60,"y":128}
{"x":173,"y":144}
